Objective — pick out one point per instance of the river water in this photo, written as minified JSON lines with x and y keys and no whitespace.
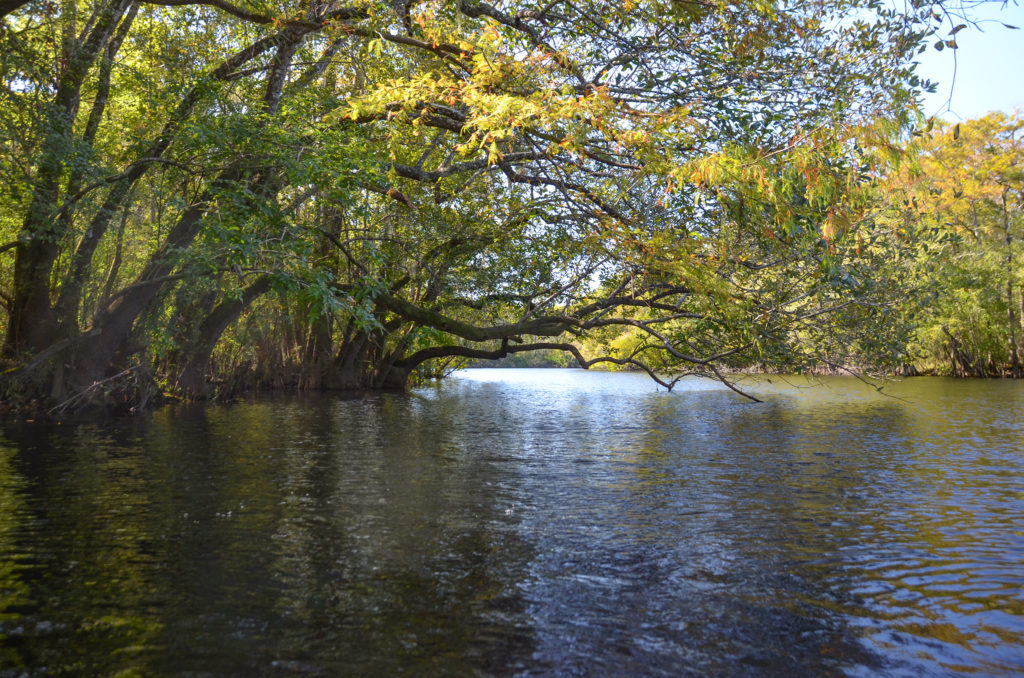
{"x":524,"y":522}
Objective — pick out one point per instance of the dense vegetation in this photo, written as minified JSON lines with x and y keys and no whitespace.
{"x":212,"y":195}
{"x":963,"y":200}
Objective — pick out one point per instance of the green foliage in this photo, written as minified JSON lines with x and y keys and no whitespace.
{"x":962,"y":202}
{"x":467,"y":177}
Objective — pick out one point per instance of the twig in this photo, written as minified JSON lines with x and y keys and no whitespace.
{"x":87,"y":389}
{"x":732,"y":386}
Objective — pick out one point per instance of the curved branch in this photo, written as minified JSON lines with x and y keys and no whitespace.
{"x":442,"y":50}
{"x":423,"y":355}
{"x":565,"y":186}
{"x":476,"y":9}
{"x":418,"y":174}
{"x":129,"y":173}
{"x":544,"y":326}
{"x":149,"y":282}
{"x":731,"y":385}
{"x":47,"y":353}
{"x":236,"y":11}
{"x":433,"y":352}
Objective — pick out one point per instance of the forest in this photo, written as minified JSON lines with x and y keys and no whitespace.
{"x":205,"y":197}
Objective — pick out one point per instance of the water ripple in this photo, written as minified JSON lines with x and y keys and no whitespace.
{"x":525,"y":523}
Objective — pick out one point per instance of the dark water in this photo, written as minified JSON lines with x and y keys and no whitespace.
{"x":524,"y":522}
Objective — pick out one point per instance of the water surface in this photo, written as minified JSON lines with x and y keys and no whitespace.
{"x":530,"y":522}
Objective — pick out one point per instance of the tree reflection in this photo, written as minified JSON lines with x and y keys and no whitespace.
{"x":488,"y":528}
{"x":14,"y":592}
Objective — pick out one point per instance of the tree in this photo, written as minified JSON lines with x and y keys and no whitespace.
{"x":964,"y":197}
{"x":185,"y":159}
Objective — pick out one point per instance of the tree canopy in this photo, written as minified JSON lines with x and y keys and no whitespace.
{"x":961,"y":201}
{"x":352,"y":190}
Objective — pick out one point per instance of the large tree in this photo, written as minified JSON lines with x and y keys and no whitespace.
{"x":434,"y":178}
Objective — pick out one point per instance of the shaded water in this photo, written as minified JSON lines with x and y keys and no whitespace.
{"x":524,"y":522}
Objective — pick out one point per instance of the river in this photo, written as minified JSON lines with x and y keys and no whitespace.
{"x":524,"y":522}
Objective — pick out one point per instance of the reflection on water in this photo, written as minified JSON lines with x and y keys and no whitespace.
{"x":535,"y":522}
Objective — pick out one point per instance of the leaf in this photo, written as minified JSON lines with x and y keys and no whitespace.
{"x":1012,"y":28}
{"x":958,"y":29}
{"x":940,"y":46}
{"x":951,"y":44}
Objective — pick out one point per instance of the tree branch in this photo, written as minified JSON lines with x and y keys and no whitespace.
{"x":343,"y":14}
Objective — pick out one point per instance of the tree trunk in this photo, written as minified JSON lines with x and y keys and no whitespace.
{"x":192,"y":373}
{"x":963,"y":366}
{"x":348,"y":369}
{"x":117,"y":321}
{"x":316,"y":356}
{"x":1015,"y":368}
{"x":395,"y":378}
{"x":32,"y":323}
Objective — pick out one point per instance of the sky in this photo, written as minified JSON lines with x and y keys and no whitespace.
{"x":989,"y":67}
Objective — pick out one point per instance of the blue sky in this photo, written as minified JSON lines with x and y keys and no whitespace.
{"x":989,"y":67}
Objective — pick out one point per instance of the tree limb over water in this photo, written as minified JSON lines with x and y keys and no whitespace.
{"x":351,"y":189}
